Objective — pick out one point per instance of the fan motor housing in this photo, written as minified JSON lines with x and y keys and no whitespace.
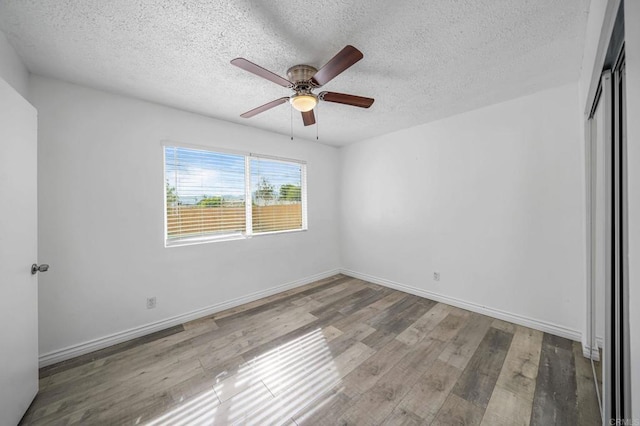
{"x":301,"y":73}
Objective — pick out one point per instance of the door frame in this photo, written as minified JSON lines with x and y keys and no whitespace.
{"x":603,"y":99}
{"x":620,"y":272}
{"x":608,"y":87}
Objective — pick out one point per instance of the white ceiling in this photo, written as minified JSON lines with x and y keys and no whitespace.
{"x":423,"y":60}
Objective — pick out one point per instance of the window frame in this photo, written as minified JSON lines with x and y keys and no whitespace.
{"x":248,"y":232}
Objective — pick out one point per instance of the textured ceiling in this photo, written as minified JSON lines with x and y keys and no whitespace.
{"x":423,"y":60}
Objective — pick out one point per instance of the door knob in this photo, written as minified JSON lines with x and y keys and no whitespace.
{"x":41,"y":268}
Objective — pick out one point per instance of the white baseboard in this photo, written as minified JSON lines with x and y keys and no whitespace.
{"x":122,"y":336}
{"x":113,"y":339}
{"x":592,"y":352}
{"x":536,"y":324}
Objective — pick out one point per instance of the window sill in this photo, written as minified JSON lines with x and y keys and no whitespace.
{"x":231,"y":237}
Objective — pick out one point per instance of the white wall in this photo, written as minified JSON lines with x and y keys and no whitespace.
{"x":493,"y":199}
{"x":101,"y":216}
{"x":12,"y":70}
{"x":632,"y":49}
{"x":595,"y":21}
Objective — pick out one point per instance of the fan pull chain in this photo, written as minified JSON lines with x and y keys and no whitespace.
{"x":317,"y":120}
{"x":291,"y":110}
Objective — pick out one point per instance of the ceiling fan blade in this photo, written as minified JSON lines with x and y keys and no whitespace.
{"x":264,"y":107}
{"x":343,"y":60}
{"x":308,"y":118}
{"x":259,"y":71}
{"x":343,"y":98}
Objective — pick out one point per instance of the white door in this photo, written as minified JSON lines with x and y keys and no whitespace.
{"x":599,"y":235}
{"x":18,"y":251}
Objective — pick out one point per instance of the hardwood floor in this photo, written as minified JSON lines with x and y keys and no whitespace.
{"x":338,"y":351}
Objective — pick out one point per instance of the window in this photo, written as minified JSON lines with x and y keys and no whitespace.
{"x":217,"y":195}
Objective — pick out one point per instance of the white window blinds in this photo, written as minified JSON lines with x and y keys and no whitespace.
{"x":276,"y":190}
{"x":206,"y":195}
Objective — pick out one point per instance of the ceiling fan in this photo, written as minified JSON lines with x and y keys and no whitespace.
{"x":303,"y":79}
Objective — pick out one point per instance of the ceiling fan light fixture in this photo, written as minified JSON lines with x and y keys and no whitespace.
{"x":304,"y":102}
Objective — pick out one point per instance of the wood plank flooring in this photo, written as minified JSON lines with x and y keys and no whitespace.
{"x":339,"y":351}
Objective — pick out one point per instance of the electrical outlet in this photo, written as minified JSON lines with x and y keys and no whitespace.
{"x":151,"y":302}
{"x":436,"y":276}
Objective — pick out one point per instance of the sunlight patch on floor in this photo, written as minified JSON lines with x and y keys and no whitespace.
{"x":273,"y":385}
